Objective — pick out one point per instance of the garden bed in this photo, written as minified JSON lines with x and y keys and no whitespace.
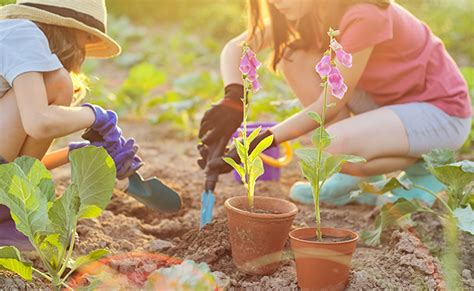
{"x":402,"y":262}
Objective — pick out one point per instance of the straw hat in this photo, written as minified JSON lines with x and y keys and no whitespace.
{"x":86,"y":15}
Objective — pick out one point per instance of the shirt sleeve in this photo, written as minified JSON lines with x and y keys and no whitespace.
{"x":26,"y":49}
{"x":365,"y":25}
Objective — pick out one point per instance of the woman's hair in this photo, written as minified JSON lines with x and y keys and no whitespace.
{"x":306,"y":33}
{"x":63,"y":43}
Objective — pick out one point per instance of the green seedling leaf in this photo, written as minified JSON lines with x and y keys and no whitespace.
{"x":262,"y":146}
{"x":63,"y":214}
{"x":10,"y":260}
{"x":321,"y":133}
{"x":236,"y":166}
{"x":316,"y":117}
{"x":27,"y":205}
{"x":256,"y":170}
{"x":382,"y":187}
{"x":333,"y":164}
{"x":53,"y":248}
{"x":254,"y":134}
{"x":93,"y":172}
{"x":465,"y":217}
{"x":331,"y":105}
{"x":38,"y":175}
{"x":89,"y":258}
{"x":456,"y":175}
{"x":308,"y":163}
{"x":390,"y":215}
{"x":437,"y":158}
{"x":241,"y":151}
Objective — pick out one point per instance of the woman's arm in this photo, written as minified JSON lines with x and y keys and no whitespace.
{"x":41,"y":120}
{"x":232,"y":52}
{"x":301,"y":123}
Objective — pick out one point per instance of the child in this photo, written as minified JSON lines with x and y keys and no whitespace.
{"x":405,"y":95}
{"x":42,"y":44}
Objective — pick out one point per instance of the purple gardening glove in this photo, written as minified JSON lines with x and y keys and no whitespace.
{"x":124,"y":154}
{"x":105,"y":124}
{"x":122,"y":151}
{"x":78,"y":145}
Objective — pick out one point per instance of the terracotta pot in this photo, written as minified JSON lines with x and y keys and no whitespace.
{"x":322,"y":265}
{"x":258,"y":239}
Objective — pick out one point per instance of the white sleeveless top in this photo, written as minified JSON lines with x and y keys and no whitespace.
{"x":23,"y":48}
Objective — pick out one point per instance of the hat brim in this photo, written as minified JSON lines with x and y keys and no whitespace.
{"x":105,"y":47}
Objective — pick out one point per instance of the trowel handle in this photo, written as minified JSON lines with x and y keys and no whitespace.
{"x":56,"y":158}
{"x":216,"y":150}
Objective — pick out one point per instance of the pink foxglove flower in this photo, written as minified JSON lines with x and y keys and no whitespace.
{"x":245,"y":65}
{"x":339,"y":92}
{"x":341,"y":55}
{"x":253,"y":59}
{"x":323,"y":68}
{"x":248,"y":66}
{"x":336,"y":82}
{"x":256,"y":85}
{"x":344,"y":58}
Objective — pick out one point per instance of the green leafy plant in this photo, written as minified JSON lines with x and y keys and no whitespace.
{"x":457,"y":212}
{"x":252,"y":164}
{"x":316,"y":164}
{"x":27,"y":189}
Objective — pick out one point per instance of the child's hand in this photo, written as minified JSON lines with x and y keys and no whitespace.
{"x":122,"y":151}
{"x":105,"y":124}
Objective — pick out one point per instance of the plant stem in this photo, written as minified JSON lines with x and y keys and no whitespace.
{"x":436,"y":196}
{"x":450,"y":259}
{"x":51,"y":279}
{"x":318,"y":174}
{"x":69,"y":253}
{"x":247,"y":167}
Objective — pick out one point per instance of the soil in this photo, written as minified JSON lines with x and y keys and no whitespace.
{"x":405,"y":260}
{"x":328,"y":238}
{"x":262,"y":211}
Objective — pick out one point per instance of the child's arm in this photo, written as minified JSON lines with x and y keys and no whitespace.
{"x":41,"y":120}
{"x":301,"y":123}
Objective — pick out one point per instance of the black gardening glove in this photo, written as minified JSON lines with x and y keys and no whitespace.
{"x":219,"y":166}
{"x":221,"y":121}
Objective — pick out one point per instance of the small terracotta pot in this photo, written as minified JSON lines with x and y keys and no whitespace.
{"x":258,"y":239}
{"x":322,"y":265}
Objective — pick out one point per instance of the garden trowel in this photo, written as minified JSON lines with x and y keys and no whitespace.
{"x":151,"y":192}
{"x":207,"y":197}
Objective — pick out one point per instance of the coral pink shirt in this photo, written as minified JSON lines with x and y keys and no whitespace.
{"x":408,"y":63}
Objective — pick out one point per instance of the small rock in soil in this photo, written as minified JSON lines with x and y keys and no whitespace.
{"x":466,"y":274}
{"x":158,"y":245}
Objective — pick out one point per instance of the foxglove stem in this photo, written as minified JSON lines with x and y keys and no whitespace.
{"x":246,"y":143}
{"x":317,"y":187}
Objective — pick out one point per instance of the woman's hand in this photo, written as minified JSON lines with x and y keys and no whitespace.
{"x":219,"y":166}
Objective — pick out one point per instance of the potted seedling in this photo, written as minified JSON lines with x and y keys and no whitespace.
{"x":323,"y":255}
{"x":258,"y":226}
{"x":27,"y":189}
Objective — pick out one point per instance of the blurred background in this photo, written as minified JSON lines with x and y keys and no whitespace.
{"x":169,"y":69}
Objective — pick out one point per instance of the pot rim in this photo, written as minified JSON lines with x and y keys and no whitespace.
{"x":356,"y":236}
{"x":293,"y":212}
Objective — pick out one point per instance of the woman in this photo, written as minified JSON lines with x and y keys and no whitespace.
{"x":42,"y":44}
{"x":405,"y":95}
